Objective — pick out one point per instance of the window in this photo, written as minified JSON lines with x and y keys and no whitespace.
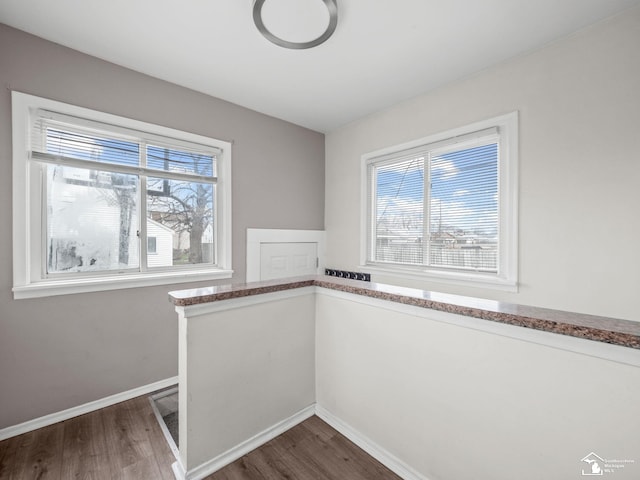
{"x":444,"y":207}
{"x":152,"y":245}
{"x":103,"y":202}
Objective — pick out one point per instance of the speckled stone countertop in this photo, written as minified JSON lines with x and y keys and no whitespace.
{"x":601,"y":329}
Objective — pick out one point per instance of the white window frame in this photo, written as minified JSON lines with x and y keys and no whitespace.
{"x":27,"y":201}
{"x":506,"y":278}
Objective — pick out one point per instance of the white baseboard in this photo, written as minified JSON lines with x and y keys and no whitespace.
{"x":383,"y":456}
{"x":389,"y":460}
{"x":163,"y":426}
{"x":178,"y":470}
{"x":245,"y":447}
{"x":52,"y":418}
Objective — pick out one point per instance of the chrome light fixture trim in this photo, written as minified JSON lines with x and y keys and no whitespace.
{"x":331,"y":5}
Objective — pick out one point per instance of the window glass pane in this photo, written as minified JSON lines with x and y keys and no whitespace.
{"x":90,"y":147}
{"x":464,"y":209}
{"x":181,"y":218}
{"x":399,"y":211}
{"x":152,"y":244}
{"x":170,"y":160}
{"x":91,"y":220}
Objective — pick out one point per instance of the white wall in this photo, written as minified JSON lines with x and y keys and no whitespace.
{"x":457,"y":403}
{"x":579,"y":104}
{"x":437,"y":395}
{"x":243,"y":369}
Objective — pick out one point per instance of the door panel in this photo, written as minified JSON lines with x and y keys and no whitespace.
{"x":278,"y":260}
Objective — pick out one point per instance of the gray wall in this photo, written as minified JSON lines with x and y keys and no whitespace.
{"x":60,"y":352}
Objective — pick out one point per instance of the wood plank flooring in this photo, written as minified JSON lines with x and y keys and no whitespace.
{"x":125,"y":442}
{"x":311,"y":450}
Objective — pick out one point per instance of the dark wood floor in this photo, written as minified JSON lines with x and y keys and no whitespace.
{"x":124,"y":441}
{"x":311,"y":450}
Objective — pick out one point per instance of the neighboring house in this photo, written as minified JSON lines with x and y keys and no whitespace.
{"x":159,"y":244}
{"x":86,"y":219}
{"x":182,"y":236}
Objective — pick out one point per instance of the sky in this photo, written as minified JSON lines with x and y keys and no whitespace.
{"x":463,"y":192}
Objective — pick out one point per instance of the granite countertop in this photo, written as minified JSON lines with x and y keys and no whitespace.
{"x":601,"y":329}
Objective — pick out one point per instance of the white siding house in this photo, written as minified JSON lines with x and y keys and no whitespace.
{"x":159,"y":245}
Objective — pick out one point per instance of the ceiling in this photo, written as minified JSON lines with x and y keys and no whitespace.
{"x":382,"y":52}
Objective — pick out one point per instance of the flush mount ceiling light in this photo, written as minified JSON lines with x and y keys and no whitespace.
{"x":296,"y":24}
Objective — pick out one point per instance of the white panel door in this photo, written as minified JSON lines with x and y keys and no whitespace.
{"x":288,"y":259}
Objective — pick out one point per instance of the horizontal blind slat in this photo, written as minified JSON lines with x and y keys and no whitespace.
{"x":109,"y":167}
{"x":464,"y":209}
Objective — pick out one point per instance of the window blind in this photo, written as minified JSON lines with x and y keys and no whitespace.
{"x":61,"y":139}
{"x":437,"y":205}
{"x":399,"y":211}
{"x":463,"y":197}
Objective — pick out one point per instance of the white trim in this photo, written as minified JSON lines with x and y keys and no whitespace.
{"x":380,"y":454}
{"x":234,"y":453}
{"x":224,"y":214}
{"x":178,"y":470}
{"x":447,"y":278}
{"x":56,"y":417}
{"x":386,"y":458}
{"x":257,"y":236}
{"x":28,"y":281}
{"x":507,"y":277}
{"x":100,"y":284}
{"x":591,"y":348}
{"x":191,"y":311}
{"x":163,"y":426}
{"x":21,"y":230}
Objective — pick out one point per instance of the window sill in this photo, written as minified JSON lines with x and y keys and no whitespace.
{"x":99,"y":284}
{"x":447,"y":278}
